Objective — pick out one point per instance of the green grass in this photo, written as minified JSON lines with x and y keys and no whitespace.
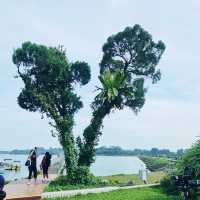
{"x":156,"y":177}
{"x":158,"y":163}
{"x":115,"y":180}
{"x":122,"y":179}
{"x":130,"y":194}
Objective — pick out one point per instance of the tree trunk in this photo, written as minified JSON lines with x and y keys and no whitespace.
{"x":87,"y":147}
{"x":64,"y":127}
{"x":67,"y":142}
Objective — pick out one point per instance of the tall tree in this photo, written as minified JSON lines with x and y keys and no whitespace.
{"x":49,"y":87}
{"x":129,"y":58}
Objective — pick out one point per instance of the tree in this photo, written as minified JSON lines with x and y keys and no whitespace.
{"x":191,"y":157}
{"x":129,"y":58}
{"x":49,"y":87}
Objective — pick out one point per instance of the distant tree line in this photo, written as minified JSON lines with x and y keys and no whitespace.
{"x":109,"y":151}
{"x":154,"y":152}
{"x":40,"y":150}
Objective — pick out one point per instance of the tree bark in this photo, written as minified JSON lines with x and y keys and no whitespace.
{"x":70,"y":155}
{"x":87,"y":147}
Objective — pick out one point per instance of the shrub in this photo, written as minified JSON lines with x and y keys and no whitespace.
{"x":191,"y":158}
{"x":168,"y":186}
{"x":83,"y":176}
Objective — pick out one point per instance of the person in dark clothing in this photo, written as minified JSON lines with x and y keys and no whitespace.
{"x":33,"y":165}
{"x":46,"y":162}
{"x":2,"y":183}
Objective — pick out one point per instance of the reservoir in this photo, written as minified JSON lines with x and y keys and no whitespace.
{"x":103,"y":166}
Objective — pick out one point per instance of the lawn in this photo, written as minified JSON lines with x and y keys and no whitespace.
{"x":115,"y":180}
{"x":130,"y":194}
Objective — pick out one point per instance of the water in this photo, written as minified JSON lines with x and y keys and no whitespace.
{"x":110,"y":165}
{"x":12,"y":175}
{"x":103,"y":166}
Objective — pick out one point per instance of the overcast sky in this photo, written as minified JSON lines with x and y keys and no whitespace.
{"x":171,"y":115}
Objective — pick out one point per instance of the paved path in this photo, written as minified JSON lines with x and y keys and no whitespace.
{"x":21,"y":190}
{"x":70,"y":193}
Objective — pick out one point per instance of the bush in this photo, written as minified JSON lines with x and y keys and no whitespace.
{"x":191,"y":158}
{"x":84,"y":177}
{"x":168,"y":186}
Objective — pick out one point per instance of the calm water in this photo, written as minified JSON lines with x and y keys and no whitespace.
{"x":104,"y":165}
{"x":12,"y":175}
{"x":110,"y":165}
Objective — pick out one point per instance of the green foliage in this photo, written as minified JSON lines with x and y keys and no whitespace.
{"x":190,"y":158}
{"x":123,"y":179}
{"x":134,"y":51}
{"x":168,"y":186}
{"x":129,"y":58}
{"x":129,"y":194}
{"x":62,"y":182}
{"x":111,"y":82}
{"x":82,"y":179}
{"x":49,"y":87}
{"x":83,"y":176}
{"x":157,"y":164}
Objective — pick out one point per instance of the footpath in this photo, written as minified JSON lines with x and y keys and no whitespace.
{"x":20,"y":190}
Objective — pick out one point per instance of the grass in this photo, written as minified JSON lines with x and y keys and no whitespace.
{"x":158,"y":163}
{"x":122,"y":179}
{"x":115,"y":180}
{"x":156,"y":177}
{"x":130,"y":194}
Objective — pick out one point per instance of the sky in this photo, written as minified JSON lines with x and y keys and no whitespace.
{"x":170,"y":117}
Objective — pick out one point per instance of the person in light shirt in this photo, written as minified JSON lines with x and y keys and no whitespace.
{"x":143,"y":174}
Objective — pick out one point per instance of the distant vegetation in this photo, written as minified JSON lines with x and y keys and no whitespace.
{"x":41,"y":150}
{"x":154,"y":152}
{"x":110,"y":151}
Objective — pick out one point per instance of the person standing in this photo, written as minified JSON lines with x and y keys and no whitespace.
{"x":46,"y":162}
{"x":143,"y":174}
{"x":33,"y":165}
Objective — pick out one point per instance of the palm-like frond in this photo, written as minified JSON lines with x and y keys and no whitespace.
{"x":111,"y":84}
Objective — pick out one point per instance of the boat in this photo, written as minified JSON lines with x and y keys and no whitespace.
{"x":7,"y":159}
{"x":13,"y":168}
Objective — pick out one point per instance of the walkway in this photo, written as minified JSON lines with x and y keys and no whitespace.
{"x":70,"y":193}
{"x":19,"y":190}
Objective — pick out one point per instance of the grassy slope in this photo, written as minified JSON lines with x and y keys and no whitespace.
{"x":130,"y":194}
